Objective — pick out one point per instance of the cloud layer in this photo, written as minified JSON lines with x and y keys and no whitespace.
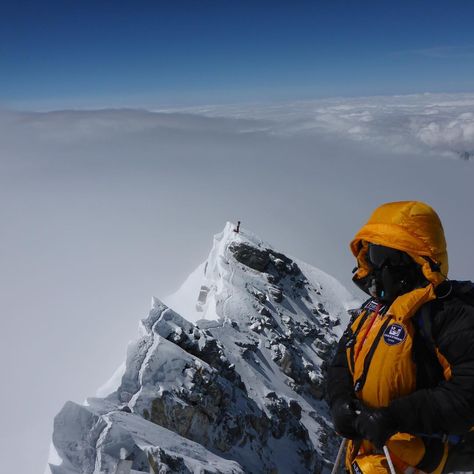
{"x":426,"y":123}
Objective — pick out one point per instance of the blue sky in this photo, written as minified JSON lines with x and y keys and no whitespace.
{"x":214,"y":51}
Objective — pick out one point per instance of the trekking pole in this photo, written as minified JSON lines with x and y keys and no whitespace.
{"x":389,"y":460}
{"x":339,"y":456}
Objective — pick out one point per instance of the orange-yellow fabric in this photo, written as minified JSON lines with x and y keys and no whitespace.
{"x":397,"y":446}
{"x":410,"y":226}
{"x":445,"y":364}
{"x":392,"y":372}
{"x":370,"y":464}
{"x":406,"y":450}
{"x":377,"y":463}
{"x":414,"y":228}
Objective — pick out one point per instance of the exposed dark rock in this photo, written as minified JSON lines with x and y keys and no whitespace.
{"x":265,"y":311}
{"x":250,"y":345}
{"x":295,"y":409}
{"x":210,"y":351}
{"x":322,"y":309}
{"x":271,"y":278}
{"x":260,"y":260}
{"x":259,"y":295}
{"x":276,"y":293}
{"x":251,"y":256}
{"x":162,"y":462}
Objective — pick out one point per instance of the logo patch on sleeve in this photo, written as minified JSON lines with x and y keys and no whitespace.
{"x":394,"y":334}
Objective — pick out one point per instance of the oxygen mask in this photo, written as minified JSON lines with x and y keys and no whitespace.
{"x":391,"y":273}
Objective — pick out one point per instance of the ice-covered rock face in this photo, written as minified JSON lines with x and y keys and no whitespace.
{"x":232,"y":384}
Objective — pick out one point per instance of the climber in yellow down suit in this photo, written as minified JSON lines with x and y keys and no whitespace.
{"x":403,"y":374}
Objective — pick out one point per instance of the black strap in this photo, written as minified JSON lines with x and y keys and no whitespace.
{"x":434,"y":452}
{"x":429,"y":371}
{"x":367,"y":308}
{"x":353,"y":338}
{"x":424,"y":322}
{"x":359,"y":385}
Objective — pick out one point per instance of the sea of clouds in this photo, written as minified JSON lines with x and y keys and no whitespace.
{"x":429,"y":124}
{"x":424,"y":123}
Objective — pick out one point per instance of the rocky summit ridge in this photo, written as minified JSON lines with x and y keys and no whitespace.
{"x":226,"y":377}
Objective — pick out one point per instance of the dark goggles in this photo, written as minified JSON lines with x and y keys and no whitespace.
{"x":379,"y":256}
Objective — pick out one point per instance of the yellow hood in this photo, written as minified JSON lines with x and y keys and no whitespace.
{"x":410,"y":226}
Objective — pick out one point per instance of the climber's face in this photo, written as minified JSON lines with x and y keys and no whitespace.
{"x":392,"y":273}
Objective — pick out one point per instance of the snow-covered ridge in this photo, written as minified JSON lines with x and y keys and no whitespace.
{"x":194,"y":298}
{"x":235,"y":387}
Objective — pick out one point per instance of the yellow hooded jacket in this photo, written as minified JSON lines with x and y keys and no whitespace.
{"x":380,"y":356}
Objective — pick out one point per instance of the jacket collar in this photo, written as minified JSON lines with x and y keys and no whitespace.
{"x":406,"y":306}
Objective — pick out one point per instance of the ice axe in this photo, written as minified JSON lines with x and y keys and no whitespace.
{"x":389,"y":460}
{"x":340,"y":453}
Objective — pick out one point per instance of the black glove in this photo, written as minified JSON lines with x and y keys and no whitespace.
{"x":344,"y":414}
{"x":376,"y":425}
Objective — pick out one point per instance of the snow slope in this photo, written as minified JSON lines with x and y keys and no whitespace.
{"x":211,"y":274}
{"x":227,"y":376}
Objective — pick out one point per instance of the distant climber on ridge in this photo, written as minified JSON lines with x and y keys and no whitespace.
{"x":403,"y":374}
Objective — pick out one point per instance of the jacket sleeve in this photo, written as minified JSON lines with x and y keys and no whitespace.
{"x":339,"y":379}
{"x":447,"y":408}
